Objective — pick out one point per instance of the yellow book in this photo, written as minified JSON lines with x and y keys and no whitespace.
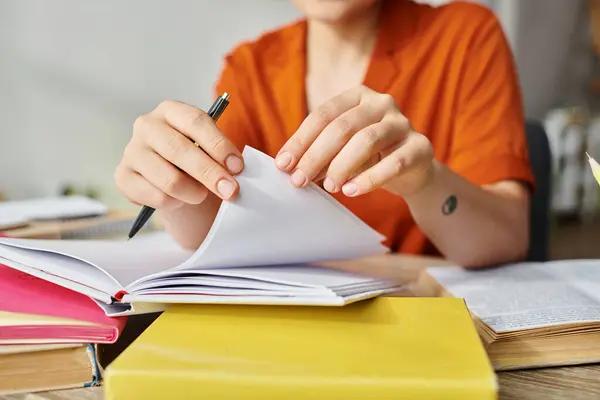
{"x":409,"y":348}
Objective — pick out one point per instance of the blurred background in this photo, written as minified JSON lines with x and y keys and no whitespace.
{"x":75,"y":74}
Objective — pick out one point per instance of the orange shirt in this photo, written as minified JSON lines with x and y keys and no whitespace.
{"x":451,"y":72}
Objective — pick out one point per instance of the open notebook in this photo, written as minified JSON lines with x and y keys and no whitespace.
{"x":258,"y":251}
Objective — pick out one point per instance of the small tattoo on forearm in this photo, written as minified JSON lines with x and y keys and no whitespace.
{"x":449,"y":205}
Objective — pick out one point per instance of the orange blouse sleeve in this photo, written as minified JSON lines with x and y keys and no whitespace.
{"x":236,"y":122}
{"x":489,"y":144}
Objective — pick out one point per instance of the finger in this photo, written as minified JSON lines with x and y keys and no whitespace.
{"x":331,"y":187}
{"x":202,"y":129}
{"x":333,"y":139}
{"x":313,"y":125}
{"x":363,"y":146}
{"x":178,"y":150}
{"x":140,"y":191}
{"x":321,"y":175}
{"x":166,"y":177}
{"x":403,"y":160}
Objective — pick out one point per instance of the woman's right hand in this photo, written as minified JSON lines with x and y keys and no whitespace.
{"x":162,"y":142}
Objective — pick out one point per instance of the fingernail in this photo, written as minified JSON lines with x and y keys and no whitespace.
{"x":329,"y":185}
{"x":349,"y":189}
{"x":283,"y":160}
{"x":225,"y":188}
{"x":234,"y":164}
{"x":298,"y":178}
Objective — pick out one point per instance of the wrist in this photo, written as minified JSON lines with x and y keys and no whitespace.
{"x":413,"y":184}
{"x":429,"y":183}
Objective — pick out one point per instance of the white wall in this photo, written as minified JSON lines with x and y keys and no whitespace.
{"x":75,"y":74}
{"x":553,"y":49}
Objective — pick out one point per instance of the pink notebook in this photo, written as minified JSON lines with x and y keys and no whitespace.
{"x":75,"y":317}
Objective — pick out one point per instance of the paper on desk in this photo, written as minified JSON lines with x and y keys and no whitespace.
{"x":10,"y":221}
{"x":45,"y":208}
{"x":528,"y":295}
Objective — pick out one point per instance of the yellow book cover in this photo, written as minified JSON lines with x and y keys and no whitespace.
{"x":409,"y":348}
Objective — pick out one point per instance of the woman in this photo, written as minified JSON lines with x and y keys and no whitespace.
{"x":409,"y":115}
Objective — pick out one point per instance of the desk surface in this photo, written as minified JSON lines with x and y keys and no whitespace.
{"x":581,"y":382}
{"x":573,"y":383}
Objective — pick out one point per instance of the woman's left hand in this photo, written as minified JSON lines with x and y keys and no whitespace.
{"x":358,"y":141}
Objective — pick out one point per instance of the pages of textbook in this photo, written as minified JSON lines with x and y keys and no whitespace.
{"x":259,"y":250}
{"x":527,"y":295}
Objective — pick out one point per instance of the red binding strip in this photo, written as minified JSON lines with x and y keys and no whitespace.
{"x":119,"y":295}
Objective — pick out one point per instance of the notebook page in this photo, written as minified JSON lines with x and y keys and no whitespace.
{"x":216,"y":291}
{"x":59,"y":265}
{"x":96,"y":294}
{"x":299,"y":275}
{"x":583,"y":274}
{"x":215,"y":281}
{"x":257,"y":300}
{"x":520,"y":296}
{"x":98,"y":262}
{"x":272,"y":222}
{"x":304,"y":275}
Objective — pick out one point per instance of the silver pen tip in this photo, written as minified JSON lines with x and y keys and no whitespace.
{"x":225,"y":96}
{"x":589,"y":157}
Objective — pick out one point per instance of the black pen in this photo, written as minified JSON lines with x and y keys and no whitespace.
{"x":214,"y":112}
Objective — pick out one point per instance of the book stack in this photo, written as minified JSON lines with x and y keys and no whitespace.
{"x":48,"y":335}
{"x":264,"y":257}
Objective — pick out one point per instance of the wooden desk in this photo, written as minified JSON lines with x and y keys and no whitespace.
{"x":582,"y":382}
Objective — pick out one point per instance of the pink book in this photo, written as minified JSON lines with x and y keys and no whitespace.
{"x":77,"y":318}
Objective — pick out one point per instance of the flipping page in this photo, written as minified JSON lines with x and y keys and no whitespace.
{"x":261,"y":249}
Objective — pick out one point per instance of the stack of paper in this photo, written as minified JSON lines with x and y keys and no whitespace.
{"x":262,"y":249}
{"x":45,"y":208}
{"x":48,"y":335}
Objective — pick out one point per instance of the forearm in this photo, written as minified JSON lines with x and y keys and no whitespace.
{"x":190,"y":224}
{"x":470,"y":225}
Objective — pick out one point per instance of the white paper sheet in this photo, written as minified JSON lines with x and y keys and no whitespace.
{"x":104,"y":262}
{"x":272,"y":222}
{"x":53,"y":208}
{"x":258,"y":300}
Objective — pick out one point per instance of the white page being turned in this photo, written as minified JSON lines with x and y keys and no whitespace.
{"x":272,"y":222}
